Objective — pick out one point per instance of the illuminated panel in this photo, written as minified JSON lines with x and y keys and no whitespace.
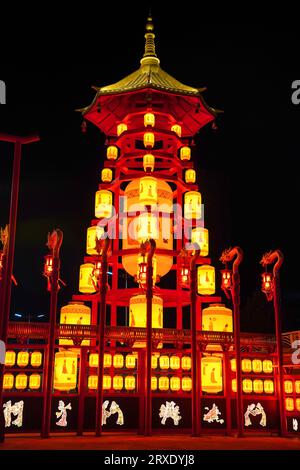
{"x":153,"y":383}
{"x":118,"y":361}
{"x":257,"y":366}
{"x":8,"y":381}
{"x":35,"y":381}
{"x":130,"y":382}
{"x":267,"y":366}
{"x":130,"y":361}
{"x":10,"y":358}
{"x":247,"y":386}
{"x":186,"y":384}
{"x":206,"y":280}
{"x":118,"y":382}
{"x":174,"y":362}
{"x":289,"y":404}
{"x":23,"y":359}
{"x":269,"y":386}
{"x":164,"y":362}
{"x":163,"y":383}
{"x":21,"y":381}
{"x":175,"y":384}
{"x":246,"y":365}
{"x":93,"y":382}
{"x":211,"y":374}
{"x":258,"y":386}
{"x":288,"y":386}
{"x":186,"y":362}
{"x":36,"y":359}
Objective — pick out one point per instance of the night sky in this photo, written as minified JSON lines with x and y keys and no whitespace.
{"x":247,"y":169}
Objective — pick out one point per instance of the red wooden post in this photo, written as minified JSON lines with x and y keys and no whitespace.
{"x":83,"y":366}
{"x":227,"y":389}
{"x":195,"y":375}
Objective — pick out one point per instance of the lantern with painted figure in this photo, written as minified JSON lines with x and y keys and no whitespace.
{"x":200,"y":236}
{"x":206,"y":279}
{"x":75,"y":313}
{"x":192,"y":205}
{"x":112,"y":152}
{"x":217,"y":317}
{"x":138,"y":314}
{"x":93,"y":233}
{"x":148,"y":190}
{"x":65,"y":371}
{"x":106,"y":175}
{"x":103,"y":204}
{"x":211,"y":374}
{"x":86,"y":280}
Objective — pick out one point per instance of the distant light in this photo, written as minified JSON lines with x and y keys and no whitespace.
{"x":18,"y":315}
{"x":108,"y":272}
{"x":40,"y":316}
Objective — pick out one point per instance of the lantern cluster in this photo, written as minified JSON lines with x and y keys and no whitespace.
{"x":22,"y":382}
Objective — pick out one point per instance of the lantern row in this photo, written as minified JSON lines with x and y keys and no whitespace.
{"x":23,"y":358}
{"x":20,"y":381}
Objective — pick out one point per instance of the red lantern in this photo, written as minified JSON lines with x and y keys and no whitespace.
{"x":97,"y":270}
{"x":226,"y":279}
{"x":267,"y":285}
{"x":142,"y":273}
{"x":48,"y":266}
{"x":185,"y":272}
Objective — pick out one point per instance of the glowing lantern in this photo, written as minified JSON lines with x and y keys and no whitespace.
{"x":93,"y":382}
{"x":201,"y":237}
{"x":148,"y":190}
{"x":36,"y":359}
{"x":107,"y":382}
{"x":298,"y":404}
{"x":190,"y":176}
{"x":65,"y":371}
{"x":107,"y":360}
{"x":177,"y":129}
{"x":185,"y":153}
{"x":103,"y":204}
{"x":297,"y":386}
{"x":122,"y":127}
{"x":154,"y":361}
{"x":138,"y":314}
{"x":148,"y":162}
{"x":35,"y":381}
{"x":233,"y":385}
{"x":192,"y":205}
{"x":10,"y":358}
{"x":211,"y":374}
{"x":93,"y":233}
{"x":258,"y":386}
{"x":269,"y":386}
{"x":48,"y":265}
{"x":8,"y":381}
{"x":75,"y":313}
{"x":233,"y":364}
{"x":141,"y":276}
{"x":164,"y":362}
{"x":246,"y":365}
{"x":86,"y":284}
{"x":257,"y":366}
{"x":175,"y":384}
{"x":186,"y":362}
{"x":149,"y":119}
{"x":21,"y":381}
{"x":185,"y":274}
{"x":288,"y":386}
{"x":118,"y":382}
{"x":112,"y":152}
{"x":175,"y":362}
{"x":226,"y":279}
{"x":149,"y":140}
{"x":247,"y":386}
{"x":23,"y":358}
{"x":106,"y":175}
{"x":93,"y":360}
{"x":267,"y":366}
{"x":186,"y":384}
{"x":153,"y":383}
{"x":217,"y":317}
{"x":147,"y":227}
{"x":130,"y":361}
{"x":118,"y":361}
{"x":289,"y":404}
{"x":267,"y":283}
{"x":206,"y":279}
{"x":163,"y":383}
{"x":129,"y":382}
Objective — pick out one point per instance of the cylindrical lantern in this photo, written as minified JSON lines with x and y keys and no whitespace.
{"x":75,"y":313}
{"x":153,"y":383}
{"x":130,"y":361}
{"x":192,"y":205}
{"x":257,"y":366}
{"x":247,"y":386}
{"x":93,"y":233}
{"x":35,"y":382}
{"x":86,"y":285}
{"x":177,"y":129}
{"x":233,"y":364}
{"x":288,"y":386}
{"x":175,"y":362}
{"x":267,"y":366}
{"x":106,"y":175}
{"x":190,"y":176}
{"x":138,"y":314}
{"x":186,"y":384}
{"x":148,"y":162}
{"x":21,"y":381}
{"x":217,"y":317}
{"x":36,"y":359}
{"x":147,"y":227}
{"x":186,"y":362}
{"x":269,"y":386}
{"x":65,"y":371}
{"x":8,"y":381}
{"x":267,"y":283}
{"x":107,"y":360}
{"x":206,"y":279}
{"x":185,"y":153}
{"x":297,"y":386}
{"x":10,"y":358}
{"x":149,"y":140}
{"x":129,"y":382}
{"x":201,"y":237}
{"x":289,"y":404}
{"x":258,"y":386}
{"x":246,"y":365}
{"x":163,"y":383}
{"x":148,"y":190}
{"x":175,"y":384}
{"x":154,"y":361}
{"x":122,"y":127}
{"x":149,"y":119}
{"x":93,"y":360}
{"x":103,"y":204}
{"x":112,"y":152}
{"x":233,"y":385}
{"x":211,"y":374}
{"x":118,"y":382}
{"x":164,"y":362}
{"x":92,"y":382}
{"x":106,"y":382}
{"x":23,"y":358}
{"x":118,"y":361}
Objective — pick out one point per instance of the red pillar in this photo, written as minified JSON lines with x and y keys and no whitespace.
{"x":195,"y":375}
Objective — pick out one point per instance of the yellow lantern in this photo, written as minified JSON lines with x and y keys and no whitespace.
{"x":190,"y":176}
{"x":175,"y":384}
{"x":92,"y":233}
{"x":130,"y":361}
{"x":106,"y":175}
{"x":267,"y":366}
{"x":36,"y":359}
{"x":118,"y":382}
{"x":112,"y":152}
{"x":164,"y":362}
{"x":148,"y":190}
{"x":258,"y":386}
{"x":8,"y":381}
{"x":185,"y":153}
{"x":206,"y":279}
{"x":149,"y":140}
{"x":288,"y":386}
{"x":201,"y":237}
{"x":154,"y":361}
{"x":106,"y":382}
{"x":186,"y":384}
{"x":233,"y":364}
{"x":86,"y":278}
{"x":186,"y":362}
{"x":23,"y":358}
{"x":233,"y":385}
{"x":75,"y":313}
{"x":118,"y":361}
{"x":103,"y":204}
{"x":211,"y":374}
{"x":177,"y":129}
{"x":163,"y":383}
{"x":153,"y":383}
{"x":269,"y":386}
{"x":149,"y":119}
{"x":21,"y":381}
{"x":257,"y":366}
{"x":246,"y":365}
{"x":289,"y":404}
{"x":93,"y":360}
{"x":65,"y":371}
{"x":175,"y":362}
{"x":192,"y":205}
{"x":148,"y":162}
{"x":217,"y":317}
{"x":122,"y":127}
{"x":129,"y":382}
{"x":138,"y":314}
{"x":92,"y":382}
{"x":247,"y":386}
{"x":297,"y":386}
{"x":107,"y":360}
{"x":147,"y":227}
{"x":10,"y":358}
{"x":35,"y":381}
{"x":298,"y":404}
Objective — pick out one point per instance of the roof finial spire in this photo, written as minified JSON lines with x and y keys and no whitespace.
{"x":150,"y":56}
